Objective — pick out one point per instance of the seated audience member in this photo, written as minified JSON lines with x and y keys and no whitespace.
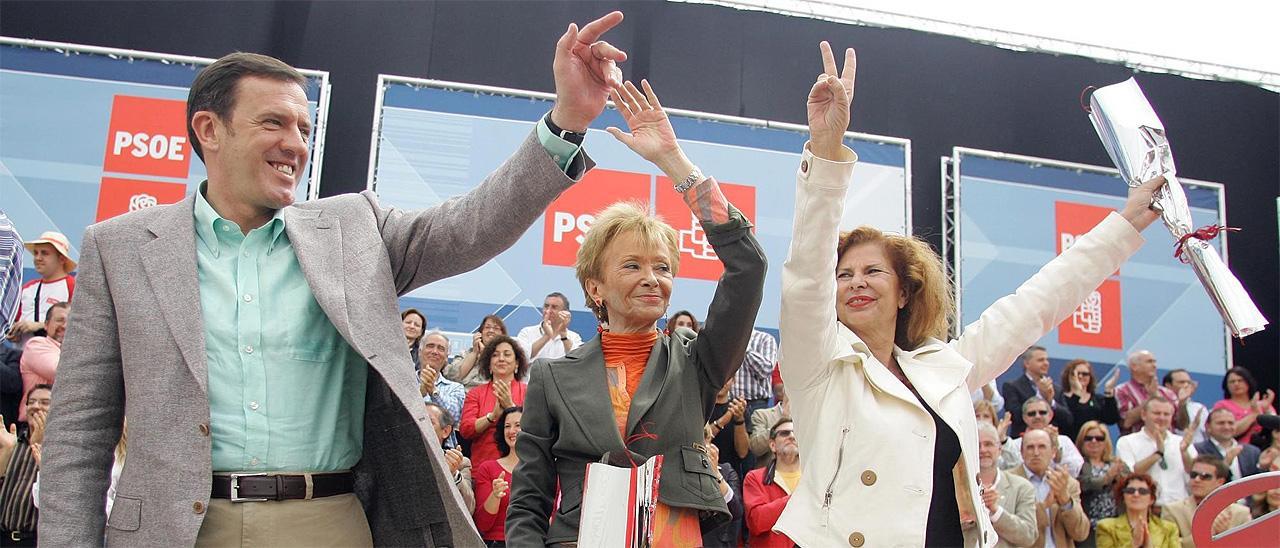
{"x":464,"y":369}
{"x":414,"y":324}
{"x":1142,"y":385}
{"x":492,"y":478}
{"x":432,"y":383}
{"x":50,"y":254}
{"x":1241,"y":458}
{"x":1137,"y":525}
{"x":761,"y":421}
{"x":503,"y":364}
{"x":1080,"y":385}
{"x":459,"y":465}
{"x":1035,"y":381}
{"x":1270,"y":457}
{"x":1154,"y":451}
{"x":728,"y":533}
{"x":551,"y":338}
{"x":19,"y":453}
{"x":683,"y":318}
{"x":986,"y":411}
{"x":1037,"y":414}
{"x":1186,"y":409}
{"x":1242,"y":396}
{"x":729,"y":426}
{"x":1010,"y":499}
{"x":767,"y":490}
{"x":1101,"y":470}
{"x":1207,"y":473}
{"x":1059,"y":516}
{"x":40,"y":356}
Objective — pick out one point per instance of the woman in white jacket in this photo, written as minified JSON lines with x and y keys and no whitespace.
{"x":864,"y":320}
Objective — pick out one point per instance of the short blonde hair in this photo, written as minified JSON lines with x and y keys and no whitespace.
{"x":616,"y":220}
{"x":990,"y":408}
{"x":929,"y":307}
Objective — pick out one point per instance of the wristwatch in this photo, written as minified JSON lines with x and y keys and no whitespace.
{"x":692,"y":179}
{"x":571,"y":136}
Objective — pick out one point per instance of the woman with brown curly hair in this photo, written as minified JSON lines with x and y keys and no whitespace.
{"x":503,"y":364}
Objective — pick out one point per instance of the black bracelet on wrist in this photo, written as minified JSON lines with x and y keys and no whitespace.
{"x":741,"y":422}
{"x":571,"y":136}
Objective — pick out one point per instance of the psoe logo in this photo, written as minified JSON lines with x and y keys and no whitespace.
{"x":141,"y":201}
{"x":119,"y":196}
{"x":693,"y":241}
{"x":147,"y":136}
{"x":570,"y":216}
{"x":1088,"y":316}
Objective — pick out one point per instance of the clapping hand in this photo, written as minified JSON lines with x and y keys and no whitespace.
{"x":36,"y":454}
{"x":500,"y":487}
{"x":1189,"y":436}
{"x":36,"y":421}
{"x":829,"y":102}
{"x":1047,"y":390}
{"x":477,"y":343}
{"x":427,"y":378}
{"x":738,"y":408}
{"x":1059,"y":479}
{"x":1139,"y":533}
{"x":454,"y":458}
{"x":1005,"y":422}
{"x":585,"y":70}
{"x":502,"y":391}
{"x":1262,"y":401}
{"x":8,"y":438}
{"x":991,"y":498}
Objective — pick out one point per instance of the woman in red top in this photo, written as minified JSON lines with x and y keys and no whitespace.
{"x":492,"y":480}
{"x":503,"y":363}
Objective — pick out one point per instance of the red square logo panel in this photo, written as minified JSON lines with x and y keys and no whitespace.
{"x":148,"y":136}
{"x":697,"y":259}
{"x":119,"y":196}
{"x":568,"y":218}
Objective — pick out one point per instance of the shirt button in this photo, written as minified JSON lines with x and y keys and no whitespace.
{"x":253,"y":461}
{"x":225,"y":228}
{"x":556,"y":158}
{"x":804,"y":166}
{"x":245,"y":254}
{"x":248,"y":349}
{"x":248,"y":298}
{"x":253,"y":405}
{"x":197,"y":507}
{"x":204,"y":429}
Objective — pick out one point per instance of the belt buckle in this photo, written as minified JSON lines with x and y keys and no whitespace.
{"x":235,"y":488}
{"x":15,"y":536}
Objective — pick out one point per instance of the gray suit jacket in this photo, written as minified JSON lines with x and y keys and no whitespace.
{"x":569,"y":422}
{"x":134,"y":350}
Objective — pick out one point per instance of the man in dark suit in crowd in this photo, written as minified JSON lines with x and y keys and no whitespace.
{"x":1241,"y":458}
{"x":1035,"y":381}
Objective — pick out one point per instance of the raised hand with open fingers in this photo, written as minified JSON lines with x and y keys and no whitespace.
{"x":586,"y":69}
{"x":651,"y":134}
{"x":829,"y":102}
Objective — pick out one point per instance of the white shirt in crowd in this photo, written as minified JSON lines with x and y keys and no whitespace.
{"x":1171,"y":477}
{"x":554,"y":347}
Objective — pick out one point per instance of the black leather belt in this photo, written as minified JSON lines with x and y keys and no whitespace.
{"x":263,"y":487}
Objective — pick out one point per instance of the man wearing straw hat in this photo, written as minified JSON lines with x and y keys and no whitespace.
{"x":51,"y":253}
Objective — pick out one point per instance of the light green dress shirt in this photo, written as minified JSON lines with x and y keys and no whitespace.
{"x":286,"y":391}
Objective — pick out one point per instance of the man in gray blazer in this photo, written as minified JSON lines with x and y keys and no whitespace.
{"x":254,"y":346}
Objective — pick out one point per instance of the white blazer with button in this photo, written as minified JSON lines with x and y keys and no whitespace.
{"x":866,"y":442}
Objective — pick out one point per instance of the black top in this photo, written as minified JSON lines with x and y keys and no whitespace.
{"x":943,"y":528}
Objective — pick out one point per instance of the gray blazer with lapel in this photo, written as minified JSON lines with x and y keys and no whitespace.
{"x":568,"y":419}
{"x":134,"y":349}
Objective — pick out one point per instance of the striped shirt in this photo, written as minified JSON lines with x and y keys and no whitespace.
{"x":753,"y":379}
{"x":10,"y":272}
{"x":17,"y":511}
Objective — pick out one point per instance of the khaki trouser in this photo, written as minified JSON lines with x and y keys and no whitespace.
{"x":328,"y":521}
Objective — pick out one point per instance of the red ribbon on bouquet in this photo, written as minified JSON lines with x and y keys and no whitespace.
{"x":1203,"y":233}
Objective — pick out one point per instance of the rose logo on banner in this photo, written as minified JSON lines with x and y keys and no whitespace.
{"x":139,"y":201}
{"x":693,"y":241}
{"x":1097,"y":321}
{"x":1088,"y":317}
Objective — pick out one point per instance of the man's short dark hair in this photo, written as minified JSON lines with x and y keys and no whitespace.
{"x":773,"y":430}
{"x":60,"y":305}
{"x":41,"y":386}
{"x":214,"y":89}
{"x":1220,"y":467}
{"x":1168,"y":377}
{"x":1026,"y":354}
{"x":563,"y":299}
